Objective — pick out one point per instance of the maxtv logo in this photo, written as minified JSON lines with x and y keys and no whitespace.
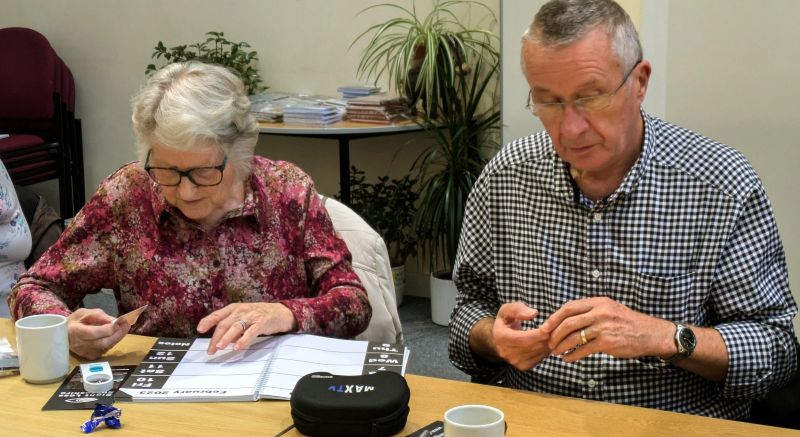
{"x":351,"y":388}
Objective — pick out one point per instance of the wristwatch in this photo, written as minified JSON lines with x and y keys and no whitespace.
{"x":685,"y":342}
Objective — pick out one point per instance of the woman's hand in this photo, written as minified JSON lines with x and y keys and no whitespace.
{"x":92,"y":333}
{"x":245,"y":322}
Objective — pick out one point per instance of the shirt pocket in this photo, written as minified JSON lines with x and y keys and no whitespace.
{"x":671,"y":298}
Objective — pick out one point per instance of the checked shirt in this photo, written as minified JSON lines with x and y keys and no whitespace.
{"x":689,"y":236}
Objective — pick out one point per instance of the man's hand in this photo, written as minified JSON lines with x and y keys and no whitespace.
{"x":609,"y":327}
{"x":243,"y":322}
{"x":503,"y":338}
{"x":92,"y":333}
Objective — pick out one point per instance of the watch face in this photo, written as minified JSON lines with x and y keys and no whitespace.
{"x":687,"y":339}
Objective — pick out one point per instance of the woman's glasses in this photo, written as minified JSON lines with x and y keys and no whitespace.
{"x":200,"y":176}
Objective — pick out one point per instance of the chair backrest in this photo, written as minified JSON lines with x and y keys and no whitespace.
{"x":27,"y":74}
{"x":371,"y":263}
{"x":65,"y":84}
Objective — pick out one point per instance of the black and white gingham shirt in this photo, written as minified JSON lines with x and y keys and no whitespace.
{"x":689,"y":236}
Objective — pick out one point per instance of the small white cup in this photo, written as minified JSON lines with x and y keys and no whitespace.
{"x":474,"y":421}
{"x":43,"y":348}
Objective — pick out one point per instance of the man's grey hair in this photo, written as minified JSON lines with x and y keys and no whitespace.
{"x":562,"y":22}
{"x":187,"y":106}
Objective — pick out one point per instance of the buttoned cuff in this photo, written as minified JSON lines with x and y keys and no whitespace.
{"x":759,"y":358}
{"x":462,"y":322}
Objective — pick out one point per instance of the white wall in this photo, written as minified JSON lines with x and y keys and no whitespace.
{"x":516,"y":17}
{"x":732,"y":75}
{"x":302,"y":47}
{"x":724,"y":68}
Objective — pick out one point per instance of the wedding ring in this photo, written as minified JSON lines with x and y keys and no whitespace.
{"x":584,"y":340}
{"x":244,"y":324}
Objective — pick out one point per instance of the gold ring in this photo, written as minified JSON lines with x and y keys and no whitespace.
{"x":584,"y":340}
{"x":244,"y":324}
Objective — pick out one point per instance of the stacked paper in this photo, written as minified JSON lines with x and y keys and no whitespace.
{"x":353,"y":91}
{"x":380,"y":109}
{"x":312,"y":113}
{"x":293,"y":108}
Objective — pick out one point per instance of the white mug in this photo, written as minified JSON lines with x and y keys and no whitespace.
{"x":474,"y":421}
{"x":43,"y":348}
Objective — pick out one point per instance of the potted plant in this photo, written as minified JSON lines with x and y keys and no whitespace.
{"x":388,"y":206}
{"x":466,"y":135}
{"x":421,"y":55}
{"x":465,"y":132}
{"x":216,"y":49}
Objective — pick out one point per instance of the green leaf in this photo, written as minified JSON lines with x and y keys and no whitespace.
{"x":222,"y":52}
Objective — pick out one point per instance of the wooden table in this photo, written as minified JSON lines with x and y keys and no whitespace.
{"x":528,"y":414}
{"x":343,"y":131}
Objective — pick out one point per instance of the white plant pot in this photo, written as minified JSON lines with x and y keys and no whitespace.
{"x":443,"y":298}
{"x":399,"y":279}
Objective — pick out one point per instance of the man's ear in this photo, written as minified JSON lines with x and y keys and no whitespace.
{"x":642,"y":78}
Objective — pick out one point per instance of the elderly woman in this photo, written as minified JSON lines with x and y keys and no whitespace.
{"x":206,"y":233}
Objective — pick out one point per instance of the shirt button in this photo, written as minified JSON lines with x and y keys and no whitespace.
{"x":215,"y":263}
{"x":591,"y":383}
{"x":596,"y":273}
{"x":598,"y":216}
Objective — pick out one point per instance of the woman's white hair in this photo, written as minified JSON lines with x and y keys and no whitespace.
{"x":188,"y":106}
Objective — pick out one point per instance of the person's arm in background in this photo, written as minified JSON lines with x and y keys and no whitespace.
{"x":15,"y":239}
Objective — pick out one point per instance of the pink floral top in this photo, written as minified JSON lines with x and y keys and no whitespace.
{"x":279,"y":247}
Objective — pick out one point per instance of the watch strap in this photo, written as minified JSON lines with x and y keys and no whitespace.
{"x":682,"y":352}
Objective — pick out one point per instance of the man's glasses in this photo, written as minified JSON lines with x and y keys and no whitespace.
{"x":586,"y":105}
{"x":200,"y":176}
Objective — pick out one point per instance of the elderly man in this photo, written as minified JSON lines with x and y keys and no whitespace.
{"x":615,"y":256}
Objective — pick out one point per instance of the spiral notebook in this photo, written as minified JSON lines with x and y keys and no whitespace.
{"x":180,"y":370}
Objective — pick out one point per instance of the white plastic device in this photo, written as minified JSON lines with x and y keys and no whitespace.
{"x":97,"y":377}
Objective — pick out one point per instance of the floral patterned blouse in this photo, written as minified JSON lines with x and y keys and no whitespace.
{"x":15,"y":238}
{"x":280,"y":246}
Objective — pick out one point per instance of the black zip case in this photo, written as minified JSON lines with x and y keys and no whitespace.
{"x":326,"y":405}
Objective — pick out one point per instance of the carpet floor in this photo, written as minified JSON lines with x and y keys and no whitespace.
{"x":426,"y":340}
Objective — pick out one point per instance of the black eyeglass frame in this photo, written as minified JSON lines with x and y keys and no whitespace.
{"x":185,"y":173}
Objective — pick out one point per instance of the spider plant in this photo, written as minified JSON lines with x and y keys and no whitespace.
{"x":422,"y":56}
{"x":465,"y":135}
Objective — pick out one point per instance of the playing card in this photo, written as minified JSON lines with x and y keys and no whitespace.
{"x":132,"y":316}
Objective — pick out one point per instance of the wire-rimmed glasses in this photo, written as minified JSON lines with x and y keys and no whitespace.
{"x":586,"y":105}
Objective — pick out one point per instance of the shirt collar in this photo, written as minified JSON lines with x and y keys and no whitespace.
{"x":565,"y":188}
{"x":563,"y":185}
{"x":639,"y":168}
